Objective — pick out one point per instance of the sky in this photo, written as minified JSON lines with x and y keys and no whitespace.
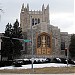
{"x":61,"y":12}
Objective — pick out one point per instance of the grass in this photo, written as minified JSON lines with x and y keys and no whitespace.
{"x":51,"y":70}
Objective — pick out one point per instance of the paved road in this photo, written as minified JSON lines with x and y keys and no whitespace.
{"x":39,"y":74}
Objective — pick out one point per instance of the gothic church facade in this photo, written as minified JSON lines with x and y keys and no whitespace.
{"x":48,"y":41}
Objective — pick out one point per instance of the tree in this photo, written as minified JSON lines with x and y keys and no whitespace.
{"x":12,"y":47}
{"x":72,"y":46}
{"x":17,"y":33}
{"x":6,"y":42}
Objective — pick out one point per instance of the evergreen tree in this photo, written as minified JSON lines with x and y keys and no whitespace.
{"x":72,"y":46}
{"x":6,"y":42}
{"x":12,"y":47}
{"x":17,"y":33}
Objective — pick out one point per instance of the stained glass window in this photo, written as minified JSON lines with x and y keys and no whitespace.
{"x":39,"y":41}
{"x":48,"y":41}
{"x":44,"y":41}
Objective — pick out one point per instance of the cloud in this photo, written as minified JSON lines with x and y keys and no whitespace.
{"x":65,"y":21}
{"x":57,"y":9}
{"x":62,"y":5}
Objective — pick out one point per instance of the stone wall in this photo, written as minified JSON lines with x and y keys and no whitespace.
{"x":43,"y":26}
{"x":65,"y":37}
{"x":25,"y":16}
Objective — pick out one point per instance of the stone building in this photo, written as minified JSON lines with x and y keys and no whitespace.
{"x":48,"y":41}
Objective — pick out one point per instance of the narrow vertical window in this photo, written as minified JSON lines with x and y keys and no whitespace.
{"x":39,"y":41}
{"x":38,"y":20}
{"x":62,"y":45}
{"x":35,"y":21}
{"x":48,"y":41}
{"x":32,"y":21}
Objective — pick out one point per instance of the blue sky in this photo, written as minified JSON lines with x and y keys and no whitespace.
{"x":61,"y":12}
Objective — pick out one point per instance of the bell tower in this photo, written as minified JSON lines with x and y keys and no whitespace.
{"x":38,"y":16}
{"x":24,"y":18}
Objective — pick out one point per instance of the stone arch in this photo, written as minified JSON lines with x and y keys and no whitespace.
{"x":43,"y":43}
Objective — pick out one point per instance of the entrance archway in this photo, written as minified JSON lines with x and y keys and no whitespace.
{"x":44,"y":43}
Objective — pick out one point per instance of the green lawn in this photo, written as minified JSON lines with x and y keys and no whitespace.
{"x":51,"y":70}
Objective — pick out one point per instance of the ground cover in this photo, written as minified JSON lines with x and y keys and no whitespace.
{"x":46,"y":70}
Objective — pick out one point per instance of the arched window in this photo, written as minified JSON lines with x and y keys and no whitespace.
{"x":48,"y":41}
{"x":43,"y":41}
{"x":62,"y":45}
{"x":35,"y":21}
{"x":32,"y":21}
{"x":39,"y":41}
{"x":38,"y":20}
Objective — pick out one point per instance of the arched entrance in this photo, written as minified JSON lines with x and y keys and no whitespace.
{"x":44,"y":43}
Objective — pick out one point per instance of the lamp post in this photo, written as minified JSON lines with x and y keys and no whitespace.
{"x":32,"y":41}
{"x":0,"y":51}
{"x":66,"y":53}
{"x":67,"y":57}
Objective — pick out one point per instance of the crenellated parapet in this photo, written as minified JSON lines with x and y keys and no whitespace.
{"x":44,"y":10}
